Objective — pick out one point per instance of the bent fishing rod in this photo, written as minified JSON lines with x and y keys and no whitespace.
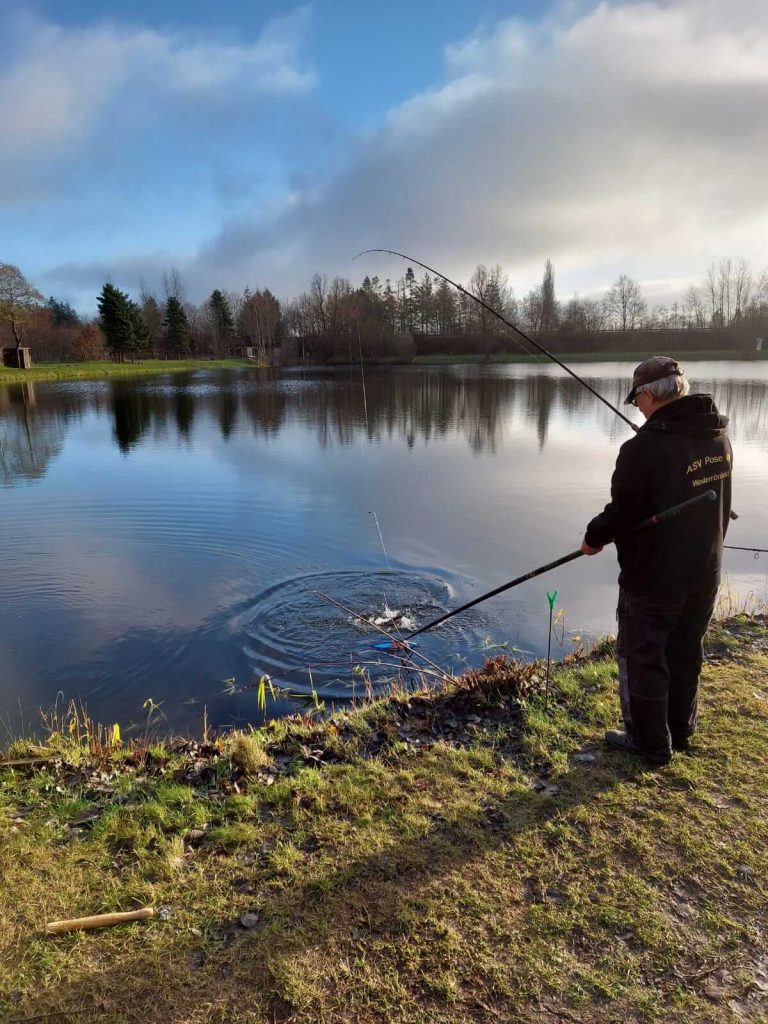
{"x":660,"y":517}
{"x":508,"y":323}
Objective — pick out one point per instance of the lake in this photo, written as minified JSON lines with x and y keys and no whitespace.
{"x":164,"y":535}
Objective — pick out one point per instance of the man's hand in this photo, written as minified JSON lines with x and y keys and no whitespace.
{"x":587,"y":549}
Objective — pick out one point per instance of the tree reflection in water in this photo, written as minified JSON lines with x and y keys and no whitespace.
{"x":476,"y":404}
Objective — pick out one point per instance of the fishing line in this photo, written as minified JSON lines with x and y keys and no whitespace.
{"x":368,"y":432}
{"x":508,"y":323}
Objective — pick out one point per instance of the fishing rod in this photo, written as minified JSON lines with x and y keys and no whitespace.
{"x":736,"y":547}
{"x":654,"y":520}
{"x":508,"y":323}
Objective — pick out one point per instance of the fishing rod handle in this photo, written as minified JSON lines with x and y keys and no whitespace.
{"x":654,"y":520}
{"x":499,"y":590}
{"x":676,"y":510}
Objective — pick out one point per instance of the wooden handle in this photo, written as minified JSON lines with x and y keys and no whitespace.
{"x":98,"y":921}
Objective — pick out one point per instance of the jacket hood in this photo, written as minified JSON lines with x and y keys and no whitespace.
{"x":695,"y":415}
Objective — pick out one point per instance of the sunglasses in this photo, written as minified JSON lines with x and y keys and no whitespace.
{"x":637,"y":395}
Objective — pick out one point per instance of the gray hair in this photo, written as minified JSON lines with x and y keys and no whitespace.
{"x":667,"y":388}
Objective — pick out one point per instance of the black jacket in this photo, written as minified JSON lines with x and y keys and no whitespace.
{"x":680,"y":451}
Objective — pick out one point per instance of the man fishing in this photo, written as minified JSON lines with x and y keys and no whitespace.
{"x":669,"y":576}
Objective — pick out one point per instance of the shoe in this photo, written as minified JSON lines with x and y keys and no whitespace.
{"x":623,"y":741}
{"x":682,"y":744}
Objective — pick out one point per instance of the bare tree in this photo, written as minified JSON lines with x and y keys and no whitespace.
{"x":625,"y":303}
{"x":760,"y":295}
{"x":533,"y":311}
{"x":153,"y":316}
{"x":19,"y":301}
{"x":490,"y":285}
{"x":713,"y":297}
{"x":259,"y":318}
{"x":695,"y":315}
{"x":340,"y":308}
{"x":724,"y":289}
{"x":318,"y":300}
{"x":719,"y":288}
{"x":595,"y":315}
{"x":583,"y":316}
{"x":172,"y":285}
{"x":742,"y":288}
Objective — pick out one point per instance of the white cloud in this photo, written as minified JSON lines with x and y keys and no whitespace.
{"x":58,"y":82}
{"x":625,"y":137}
{"x":611,"y":137}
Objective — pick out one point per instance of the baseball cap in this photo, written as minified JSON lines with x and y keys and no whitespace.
{"x":655,"y":368}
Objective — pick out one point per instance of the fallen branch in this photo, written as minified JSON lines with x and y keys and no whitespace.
{"x":79,"y":924}
{"x":27,"y":762}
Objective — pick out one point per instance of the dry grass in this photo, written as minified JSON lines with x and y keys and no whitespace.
{"x":464,"y":858}
{"x":247,"y":752}
{"x":76,"y":371}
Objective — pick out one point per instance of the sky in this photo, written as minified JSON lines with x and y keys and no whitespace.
{"x":252,"y":144}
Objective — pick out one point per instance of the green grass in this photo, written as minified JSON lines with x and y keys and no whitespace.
{"x":74,"y":371}
{"x":508,"y":869}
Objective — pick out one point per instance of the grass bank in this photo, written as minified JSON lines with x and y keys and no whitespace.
{"x":454,"y":856}
{"x":76,"y":371}
{"x":582,"y":357}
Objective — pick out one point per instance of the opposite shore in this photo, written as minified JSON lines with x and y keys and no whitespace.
{"x":106,"y":369}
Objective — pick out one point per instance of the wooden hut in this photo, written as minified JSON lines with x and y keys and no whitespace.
{"x":16,"y":358}
{"x":241,"y":352}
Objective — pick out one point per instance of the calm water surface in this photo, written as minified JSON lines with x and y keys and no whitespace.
{"x":163,"y":535}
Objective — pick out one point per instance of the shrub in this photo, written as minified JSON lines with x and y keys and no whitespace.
{"x":89,"y":344}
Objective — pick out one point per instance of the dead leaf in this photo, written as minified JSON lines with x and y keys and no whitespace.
{"x":713,"y":990}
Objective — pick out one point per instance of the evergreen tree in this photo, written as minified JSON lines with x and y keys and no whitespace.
{"x":142,"y":338}
{"x":153,"y":318}
{"x":62,"y":314}
{"x":131,"y":412}
{"x":115,"y":321}
{"x":407,"y":303}
{"x":445,"y":308}
{"x":424,"y":304}
{"x":176,"y":327}
{"x":549,"y":310}
{"x":390,"y":307}
{"x":223,"y":325}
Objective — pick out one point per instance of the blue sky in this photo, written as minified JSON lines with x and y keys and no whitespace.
{"x":255,"y":143}
{"x":368,"y":56}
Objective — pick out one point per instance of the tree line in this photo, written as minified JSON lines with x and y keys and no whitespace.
{"x":225,"y":325}
{"x":333,"y":320}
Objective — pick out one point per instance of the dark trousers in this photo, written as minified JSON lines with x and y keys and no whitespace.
{"x":660,"y":654}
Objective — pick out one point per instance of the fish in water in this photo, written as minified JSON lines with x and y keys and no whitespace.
{"x":391,"y":618}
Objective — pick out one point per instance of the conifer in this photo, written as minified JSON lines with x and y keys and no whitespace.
{"x":176,"y":327}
